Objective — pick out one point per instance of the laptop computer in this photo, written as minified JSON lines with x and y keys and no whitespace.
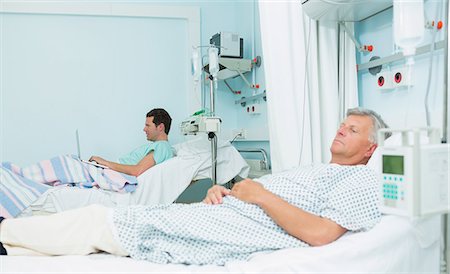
{"x":79,"y":153}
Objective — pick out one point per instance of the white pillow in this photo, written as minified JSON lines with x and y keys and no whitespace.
{"x":374,"y":161}
{"x":395,"y":140}
{"x":198,"y":144}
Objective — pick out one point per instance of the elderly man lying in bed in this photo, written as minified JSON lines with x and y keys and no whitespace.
{"x":306,"y":206}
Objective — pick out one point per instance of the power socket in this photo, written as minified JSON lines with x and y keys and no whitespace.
{"x":240,"y":134}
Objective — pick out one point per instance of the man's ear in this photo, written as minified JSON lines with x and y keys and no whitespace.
{"x":371,"y":150}
{"x":161,"y":127}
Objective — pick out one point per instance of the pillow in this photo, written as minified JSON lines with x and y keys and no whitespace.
{"x":395,"y":140}
{"x":198,"y":144}
{"x":374,"y":161}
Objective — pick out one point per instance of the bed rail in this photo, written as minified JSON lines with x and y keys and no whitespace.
{"x":264,"y":162}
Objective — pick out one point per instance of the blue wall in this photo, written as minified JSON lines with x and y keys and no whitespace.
{"x":402,"y":107}
{"x":240,"y":17}
{"x":102,"y":74}
{"x":99,"y":75}
{"x":254,"y":125}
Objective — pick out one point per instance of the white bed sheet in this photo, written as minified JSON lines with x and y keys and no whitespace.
{"x":161,"y":184}
{"x":395,"y":245}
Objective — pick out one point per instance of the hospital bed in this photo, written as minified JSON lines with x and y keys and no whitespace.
{"x":161,"y":184}
{"x":395,"y":245}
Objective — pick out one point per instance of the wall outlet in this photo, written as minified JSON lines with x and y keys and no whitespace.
{"x":401,"y":77}
{"x":240,"y":134}
{"x":384,"y":80}
{"x":253,"y":109}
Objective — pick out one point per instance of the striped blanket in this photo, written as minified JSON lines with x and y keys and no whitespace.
{"x":20,"y":187}
{"x":17,"y":193}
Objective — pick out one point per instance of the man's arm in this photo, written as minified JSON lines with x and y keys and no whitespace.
{"x":305,"y":226}
{"x":135,"y":170}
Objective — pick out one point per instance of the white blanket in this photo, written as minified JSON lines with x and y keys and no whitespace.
{"x":395,"y":245}
{"x":161,"y":184}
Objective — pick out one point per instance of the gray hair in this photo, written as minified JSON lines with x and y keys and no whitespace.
{"x":377,"y":122}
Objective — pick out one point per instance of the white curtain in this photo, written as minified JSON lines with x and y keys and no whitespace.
{"x":348,"y":88}
{"x":301,"y":63}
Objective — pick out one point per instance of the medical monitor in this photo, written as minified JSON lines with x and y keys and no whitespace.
{"x":414,"y":176}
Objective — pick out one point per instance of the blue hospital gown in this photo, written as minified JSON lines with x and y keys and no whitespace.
{"x":214,"y":234}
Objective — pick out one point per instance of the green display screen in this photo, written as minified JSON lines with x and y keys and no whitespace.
{"x":393,"y":164}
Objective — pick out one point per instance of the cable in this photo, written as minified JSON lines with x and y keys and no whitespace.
{"x":430,"y":70}
{"x":427,"y":111}
{"x":408,"y":91}
{"x":235,"y":137}
{"x":203,"y":95}
{"x":433,"y":46}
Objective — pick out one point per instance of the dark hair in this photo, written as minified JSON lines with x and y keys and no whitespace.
{"x":160,"y":116}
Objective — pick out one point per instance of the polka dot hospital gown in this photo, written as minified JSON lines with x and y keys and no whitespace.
{"x":214,"y":234}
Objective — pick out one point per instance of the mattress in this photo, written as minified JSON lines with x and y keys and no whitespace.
{"x":395,"y":245}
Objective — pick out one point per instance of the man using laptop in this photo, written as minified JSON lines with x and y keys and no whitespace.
{"x":157,"y":126}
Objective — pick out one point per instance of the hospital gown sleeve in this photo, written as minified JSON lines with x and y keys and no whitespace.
{"x":354,"y":203}
{"x":162,"y":151}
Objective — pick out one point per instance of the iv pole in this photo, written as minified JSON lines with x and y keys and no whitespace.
{"x":208,"y":122}
{"x":213,"y":54}
{"x":211,"y":135}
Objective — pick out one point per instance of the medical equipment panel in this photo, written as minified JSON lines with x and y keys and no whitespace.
{"x":199,"y":123}
{"x":414,"y":178}
{"x":229,"y":44}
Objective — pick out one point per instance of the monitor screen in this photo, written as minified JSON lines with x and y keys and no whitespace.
{"x":393,"y":164}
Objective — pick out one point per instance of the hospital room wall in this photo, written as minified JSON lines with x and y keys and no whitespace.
{"x":253,"y":125}
{"x":402,"y":107}
{"x":241,"y":17}
{"x":45,"y":97}
{"x":244,"y":20}
{"x":66,"y":72}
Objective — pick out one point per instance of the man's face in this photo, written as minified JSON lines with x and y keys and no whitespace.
{"x":352,"y":140}
{"x":150,"y":129}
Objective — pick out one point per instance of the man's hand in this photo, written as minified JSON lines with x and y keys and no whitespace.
{"x":249,"y":191}
{"x":215,"y":195}
{"x":99,"y":160}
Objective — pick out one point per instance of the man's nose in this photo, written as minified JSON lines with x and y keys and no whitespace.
{"x":342,"y":131}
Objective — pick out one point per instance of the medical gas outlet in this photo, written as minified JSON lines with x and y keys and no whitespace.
{"x":253,"y":109}
{"x":384,"y":80}
{"x":402,"y":77}
{"x":396,"y":78}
